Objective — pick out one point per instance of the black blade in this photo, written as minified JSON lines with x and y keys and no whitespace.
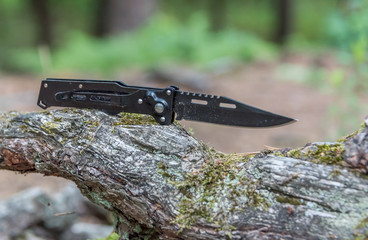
{"x":223,"y":110}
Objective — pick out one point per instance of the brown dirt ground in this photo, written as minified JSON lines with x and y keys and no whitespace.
{"x":255,"y":84}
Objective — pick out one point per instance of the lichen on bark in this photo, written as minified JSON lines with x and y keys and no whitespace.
{"x":215,"y":191}
{"x":160,"y":182}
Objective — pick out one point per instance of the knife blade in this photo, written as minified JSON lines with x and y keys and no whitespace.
{"x":223,"y":110}
{"x":164,"y":104}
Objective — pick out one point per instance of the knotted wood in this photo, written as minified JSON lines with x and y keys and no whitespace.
{"x":162,"y":183}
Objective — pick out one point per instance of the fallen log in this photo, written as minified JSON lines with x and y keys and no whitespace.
{"x":162,"y":183}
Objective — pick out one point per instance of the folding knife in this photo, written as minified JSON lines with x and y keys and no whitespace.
{"x":164,"y":104}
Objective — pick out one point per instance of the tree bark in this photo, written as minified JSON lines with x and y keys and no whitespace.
{"x":162,"y":183}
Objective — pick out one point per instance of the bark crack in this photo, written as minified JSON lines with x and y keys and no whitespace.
{"x":306,"y":198}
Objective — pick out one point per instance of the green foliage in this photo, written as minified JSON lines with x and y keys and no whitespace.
{"x":260,"y":16}
{"x":24,"y":60}
{"x":19,"y":31}
{"x":348,"y":24}
{"x":348,"y":30}
{"x":310,"y":20}
{"x":254,"y":16}
{"x":163,"y":40}
{"x":179,"y":33}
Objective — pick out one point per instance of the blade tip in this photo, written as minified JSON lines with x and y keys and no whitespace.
{"x":291,"y":120}
{"x":294,"y":120}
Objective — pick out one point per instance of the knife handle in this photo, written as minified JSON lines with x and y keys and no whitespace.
{"x":109,"y":96}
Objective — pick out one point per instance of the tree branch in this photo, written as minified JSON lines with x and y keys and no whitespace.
{"x":160,"y":182}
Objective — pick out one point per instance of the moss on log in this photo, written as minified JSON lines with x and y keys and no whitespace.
{"x":162,"y":183}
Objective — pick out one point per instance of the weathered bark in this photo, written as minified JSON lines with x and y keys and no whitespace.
{"x":160,"y":182}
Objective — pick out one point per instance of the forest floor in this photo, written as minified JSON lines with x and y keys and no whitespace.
{"x":269,"y":86}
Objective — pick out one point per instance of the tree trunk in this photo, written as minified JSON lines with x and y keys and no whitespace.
{"x":217,"y":14}
{"x":43,"y":20}
{"x":117,"y":16}
{"x":160,"y":182}
{"x":284,"y":21}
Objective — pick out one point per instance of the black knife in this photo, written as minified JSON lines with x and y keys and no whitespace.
{"x":164,"y":104}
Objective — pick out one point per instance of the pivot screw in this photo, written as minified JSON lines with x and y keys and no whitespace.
{"x":159,"y":108}
{"x":140,"y":101}
{"x":162,"y":119}
{"x":45,"y":85}
{"x":168,"y":92}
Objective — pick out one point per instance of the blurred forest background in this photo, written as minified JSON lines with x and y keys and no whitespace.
{"x":320,"y":46}
{"x":305,"y":59}
{"x":105,"y":36}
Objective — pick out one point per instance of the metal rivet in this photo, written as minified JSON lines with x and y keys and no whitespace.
{"x":45,"y":85}
{"x":140,"y":101}
{"x":168,"y":92}
{"x":80,"y":86}
{"x":162,"y":119}
{"x":159,"y":108}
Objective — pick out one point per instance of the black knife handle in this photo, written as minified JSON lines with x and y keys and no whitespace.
{"x":110,"y":96}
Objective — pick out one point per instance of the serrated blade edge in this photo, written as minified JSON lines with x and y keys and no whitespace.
{"x":223,"y":110}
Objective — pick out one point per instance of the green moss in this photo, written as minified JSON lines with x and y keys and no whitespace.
{"x":347,"y":137}
{"x":361,"y":230}
{"x":47,"y":127}
{"x":163,"y":171}
{"x":190,"y":131}
{"x":289,"y":200}
{"x":363,"y":223}
{"x":26,"y":128}
{"x":330,"y":154}
{"x":294,"y":153}
{"x":334,"y":173}
{"x":58,"y":119}
{"x":215,"y":191}
{"x":72,"y":110}
{"x":134,"y":119}
{"x":343,"y":139}
{"x":278,"y":154}
{"x":91,"y":123}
